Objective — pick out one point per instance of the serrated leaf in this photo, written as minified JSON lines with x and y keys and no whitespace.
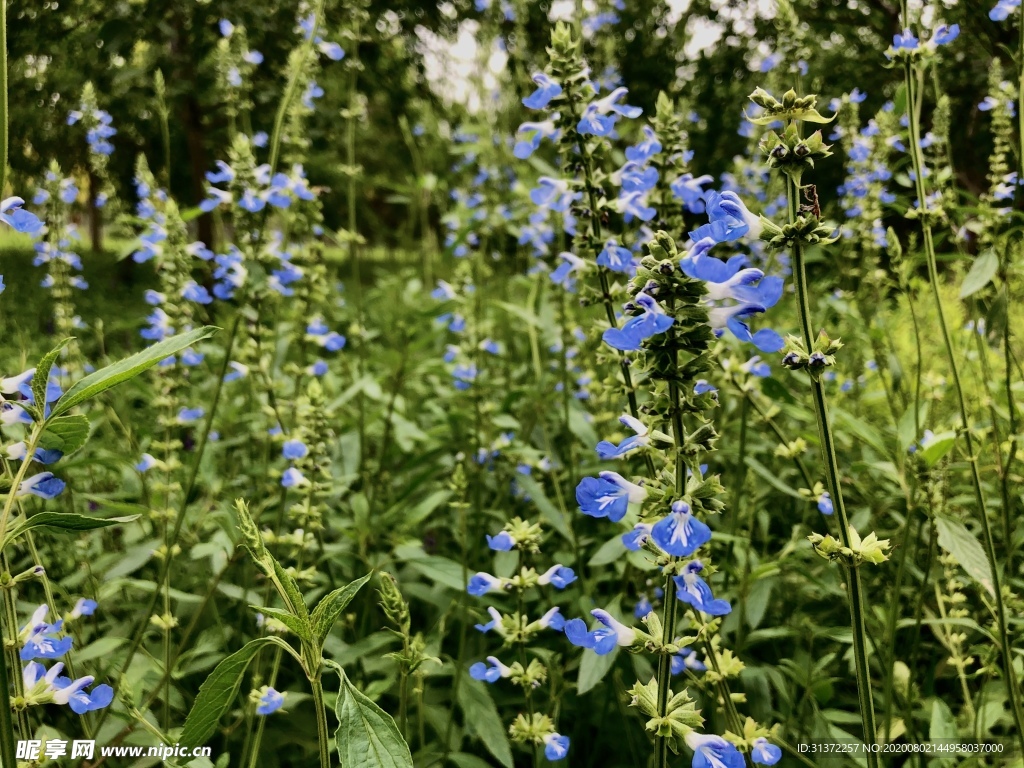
{"x":967,"y":550}
{"x":982,"y":271}
{"x":291,"y":589}
{"x":219,"y":691}
{"x":62,"y":521}
{"x":130,"y":367}
{"x":66,"y":433}
{"x":331,"y":606}
{"x":42,"y":375}
{"x":367,"y":736}
{"x":483,"y":720}
{"x":290,"y":620}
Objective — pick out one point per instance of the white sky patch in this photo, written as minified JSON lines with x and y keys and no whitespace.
{"x":459,"y":70}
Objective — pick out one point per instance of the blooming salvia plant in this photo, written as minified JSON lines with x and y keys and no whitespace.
{"x":670,"y":330}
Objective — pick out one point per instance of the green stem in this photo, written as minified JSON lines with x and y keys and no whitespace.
{"x":7,"y":751}
{"x":321,"y":722}
{"x":3,"y":105}
{"x":1009,"y":674}
{"x":143,"y":623}
{"x":293,"y":84}
{"x":828,"y":451}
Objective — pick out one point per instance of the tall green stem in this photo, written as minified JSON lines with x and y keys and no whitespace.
{"x":321,"y":722}
{"x":3,"y":98}
{"x":1009,"y":675}
{"x":828,"y":453}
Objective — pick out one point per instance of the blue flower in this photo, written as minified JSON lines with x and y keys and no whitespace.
{"x":16,"y":217}
{"x":642,"y":607}
{"x":729,"y":219}
{"x":688,"y":191}
{"x":605,"y":638}
{"x":501,"y":542}
{"x":680,"y":533}
{"x":443,"y":292}
{"x":904,"y":40}
{"x":146,"y":463}
{"x":195,"y":292}
{"x":553,"y":619}
{"x":497,"y":670}
{"x":635,"y":539}
{"x":634,"y":177}
{"x":292,"y":478}
{"x":547,"y":89}
{"x":608,"y":495}
{"x":634,"y":206}
{"x":650,"y":322}
{"x":710,"y":751}
{"x":616,"y":258}
{"x":482,"y":583}
{"x":646,"y":149}
{"x":84,"y":607}
{"x":269,"y":702}
{"x":607,"y":450}
{"x":1003,"y":9}
{"x":44,"y":485}
{"x":825,"y":504}
{"x":692,"y":589}
{"x":332,"y":51}
{"x":554,"y":194}
{"x":494,"y":623}
{"x":72,"y":693}
{"x":188,"y":415}
{"x":294,"y":449}
{"x":945,"y":34}
{"x":563,"y":274}
{"x":41,"y":640}
{"x":763,"y":752}
{"x":556,"y":746}
{"x":558,"y":576}
{"x":687,"y":659}
{"x":533,"y":133}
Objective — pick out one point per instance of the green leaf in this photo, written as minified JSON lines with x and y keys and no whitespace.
{"x":771,"y":478}
{"x":982,"y":271}
{"x":937,"y":447}
{"x":331,"y":606}
{"x":907,"y":427}
{"x":593,"y":668}
{"x":367,"y":737}
{"x":62,"y":521}
{"x":42,"y":375}
{"x":290,"y":589}
{"x":961,"y":544}
{"x":290,"y":620}
{"x":66,"y":433}
{"x":756,"y":604}
{"x":219,"y":690}
{"x":126,"y":369}
{"x":943,"y":724}
{"x":99,"y":649}
{"x":483,"y":720}
{"x":610,"y":551}
{"x":548,"y":511}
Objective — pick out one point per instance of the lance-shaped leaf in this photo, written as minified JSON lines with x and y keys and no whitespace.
{"x":219,"y":690}
{"x":126,"y":369}
{"x":62,"y":522}
{"x":330,"y":607}
{"x":42,"y":375}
